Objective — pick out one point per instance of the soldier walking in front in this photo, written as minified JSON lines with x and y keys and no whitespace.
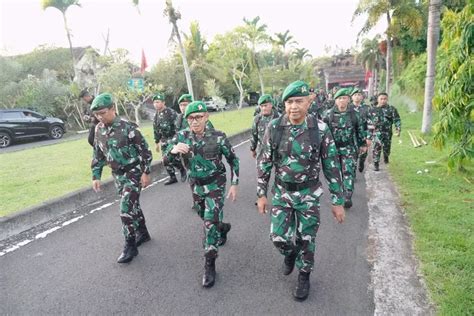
{"x":299,"y":146}
{"x":120,"y":145}
{"x":201,"y":150}
{"x":349,"y":136}
{"x":379,"y":123}
{"x":164,"y":129}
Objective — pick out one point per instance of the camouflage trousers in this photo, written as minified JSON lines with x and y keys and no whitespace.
{"x":296,"y":214}
{"x":129,"y":188}
{"x":348,"y":160}
{"x":208,"y":202}
{"x":170,"y":165}
{"x":382,"y":142}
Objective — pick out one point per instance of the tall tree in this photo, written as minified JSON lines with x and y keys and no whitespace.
{"x":255,"y":34}
{"x":371,"y":57}
{"x":283,"y":40}
{"x":173,"y":17}
{"x":432,"y":38}
{"x":62,"y":6}
{"x":301,"y":53}
{"x":397,"y":13}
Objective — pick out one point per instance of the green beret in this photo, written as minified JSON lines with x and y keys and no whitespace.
{"x":102,"y":101}
{"x":195,"y":107}
{"x":342,"y":92}
{"x":185,"y":98}
{"x":295,"y":89}
{"x":354,"y":91}
{"x":159,"y":96}
{"x":265,"y":99}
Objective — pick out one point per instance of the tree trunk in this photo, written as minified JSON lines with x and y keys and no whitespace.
{"x":187,"y":71}
{"x":432,"y":38}
{"x":70,"y":44}
{"x":388,"y":75}
{"x":376,"y":80}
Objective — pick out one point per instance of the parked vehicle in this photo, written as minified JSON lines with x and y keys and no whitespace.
{"x":214,"y":103}
{"x":17,"y":124}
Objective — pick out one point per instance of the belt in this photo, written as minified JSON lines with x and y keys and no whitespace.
{"x":121,"y":171}
{"x":204,"y":181}
{"x":291,"y":186}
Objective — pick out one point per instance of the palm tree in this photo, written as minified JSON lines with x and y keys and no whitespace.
{"x":432,"y":38}
{"x":282,"y":40}
{"x":255,"y":34}
{"x":62,"y":6}
{"x":371,"y":57}
{"x":173,"y":16}
{"x":398,"y":13}
{"x":301,"y":53}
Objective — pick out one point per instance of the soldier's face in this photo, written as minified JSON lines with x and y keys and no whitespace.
{"x":382,"y":100}
{"x":197,"y":122}
{"x":159,"y":105}
{"x":296,"y":108}
{"x":342,"y":102}
{"x":105,"y":116}
{"x":357,"y":98}
{"x":182,"y":106}
{"x":266,"y":108}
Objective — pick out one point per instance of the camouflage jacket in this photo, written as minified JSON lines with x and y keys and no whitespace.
{"x":164,"y":124}
{"x":260,"y":123}
{"x":121,"y":146}
{"x":346,"y":128}
{"x":298,"y":161}
{"x":381,"y":119}
{"x":205,"y":157}
{"x":363,"y":110}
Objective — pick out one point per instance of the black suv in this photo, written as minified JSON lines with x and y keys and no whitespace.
{"x":18,"y":123}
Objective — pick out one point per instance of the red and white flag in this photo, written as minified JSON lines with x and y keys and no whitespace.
{"x":144,"y":65}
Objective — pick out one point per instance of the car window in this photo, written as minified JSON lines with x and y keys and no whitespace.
{"x":32,"y":115}
{"x":12,"y":115}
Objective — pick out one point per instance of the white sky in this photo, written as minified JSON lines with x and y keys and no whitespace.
{"x":314,"y":24}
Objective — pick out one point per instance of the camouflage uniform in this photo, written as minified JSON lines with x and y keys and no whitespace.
{"x":348,"y":132}
{"x":259,"y":125}
{"x":363,"y":111}
{"x":207,"y":175}
{"x":379,"y":123}
{"x":164,"y":129}
{"x":125,"y":150}
{"x":297,"y":189}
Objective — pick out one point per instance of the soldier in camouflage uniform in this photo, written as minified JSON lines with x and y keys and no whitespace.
{"x":181,"y":122}
{"x":260,"y":122}
{"x":298,"y":145}
{"x":164,"y":128}
{"x":119,"y":144}
{"x":202,"y":149}
{"x":313,"y":107}
{"x":349,"y":135}
{"x":359,"y":106}
{"x":379,"y":123}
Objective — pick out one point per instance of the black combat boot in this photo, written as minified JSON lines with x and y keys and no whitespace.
{"x":376,"y":166}
{"x":302,"y":288}
{"x":209,"y":272}
{"x":142,"y":236}
{"x":171,"y":180}
{"x":184,"y":175}
{"x":361,"y":165}
{"x":289,"y":263}
{"x":129,"y":251}
{"x":385,"y":159}
{"x":347,"y":203}
{"x":223,"y":232}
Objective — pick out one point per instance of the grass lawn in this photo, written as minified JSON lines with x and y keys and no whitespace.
{"x":440,"y":208}
{"x":32,"y":176}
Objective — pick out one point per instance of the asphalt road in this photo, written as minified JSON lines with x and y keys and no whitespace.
{"x":74,"y":271}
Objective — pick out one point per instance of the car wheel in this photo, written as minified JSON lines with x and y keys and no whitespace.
{"x":56,"y":132}
{"x":5,"y":140}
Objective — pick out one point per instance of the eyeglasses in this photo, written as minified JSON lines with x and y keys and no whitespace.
{"x":196,"y":118}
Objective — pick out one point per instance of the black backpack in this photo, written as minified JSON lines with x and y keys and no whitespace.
{"x":277,"y":133}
